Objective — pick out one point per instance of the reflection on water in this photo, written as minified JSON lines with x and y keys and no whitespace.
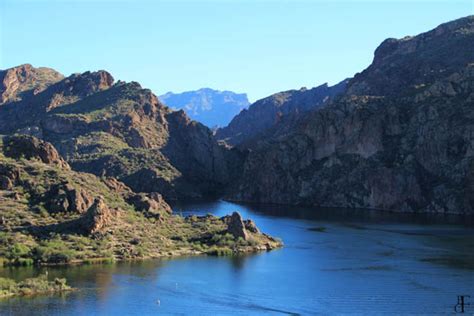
{"x":333,"y":262}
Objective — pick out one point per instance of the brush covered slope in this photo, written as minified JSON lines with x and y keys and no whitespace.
{"x":51,"y":214}
{"x":115,"y":129}
{"x":400,"y":138}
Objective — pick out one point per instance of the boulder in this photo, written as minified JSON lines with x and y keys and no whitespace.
{"x":23,"y":146}
{"x":151,"y":204}
{"x":58,"y":203}
{"x":236,"y":226}
{"x":66,"y":198}
{"x":79,"y":199}
{"x":9,"y":175}
{"x":117,"y":186}
{"x":97,"y":218}
{"x":251,"y":226}
{"x":158,"y":199}
{"x":11,"y":172}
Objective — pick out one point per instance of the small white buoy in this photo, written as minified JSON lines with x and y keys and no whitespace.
{"x":158,"y":302}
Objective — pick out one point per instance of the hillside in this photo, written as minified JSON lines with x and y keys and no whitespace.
{"x":400,"y":138}
{"x":115,"y":129}
{"x":51,"y":214}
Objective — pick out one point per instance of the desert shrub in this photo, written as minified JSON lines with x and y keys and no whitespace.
{"x":108,"y":260}
{"x":18,"y":255}
{"x":24,"y":262}
{"x":241,"y":242}
{"x":18,"y":250}
{"x":38,"y":285}
{"x":6,"y":284}
{"x":219,"y":251}
{"x":54,"y":251}
{"x":226,"y":240}
{"x":198,"y":246}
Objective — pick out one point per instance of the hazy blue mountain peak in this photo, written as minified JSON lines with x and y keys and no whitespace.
{"x":209,"y":106}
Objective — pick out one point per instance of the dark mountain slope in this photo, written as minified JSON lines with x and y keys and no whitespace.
{"x":268,"y":112}
{"x":401,"y":138}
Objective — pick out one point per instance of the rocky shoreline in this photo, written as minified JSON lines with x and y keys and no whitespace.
{"x":53,"y":215}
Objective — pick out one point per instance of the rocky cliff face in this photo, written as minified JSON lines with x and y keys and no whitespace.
{"x":210,"y":107}
{"x":413,"y":62}
{"x":32,"y":148}
{"x":115,"y":129}
{"x":275,"y":112}
{"x":401,"y":138}
{"x":24,"y":80}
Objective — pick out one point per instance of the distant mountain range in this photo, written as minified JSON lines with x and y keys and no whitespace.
{"x":210,"y":107}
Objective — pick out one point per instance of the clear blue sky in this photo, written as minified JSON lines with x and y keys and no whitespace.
{"x":257,"y":47}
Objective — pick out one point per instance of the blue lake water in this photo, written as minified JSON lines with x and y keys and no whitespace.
{"x":333,"y":262}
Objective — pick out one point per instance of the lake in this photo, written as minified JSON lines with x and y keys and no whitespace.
{"x":333,"y":262}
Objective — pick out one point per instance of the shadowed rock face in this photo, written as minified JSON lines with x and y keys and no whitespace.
{"x":236,"y":226}
{"x":403,"y":64}
{"x":118,"y":130}
{"x":28,"y":147}
{"x":401,"y":138}
{"x":9,"y":176}
{"x":64,"y":197}
{"x":275,"y":113}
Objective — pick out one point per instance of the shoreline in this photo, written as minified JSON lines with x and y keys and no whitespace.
{"x":169,"y":255}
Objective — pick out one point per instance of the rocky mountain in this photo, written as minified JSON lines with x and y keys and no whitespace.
{"x":401,"y":137}
{"x":25,"y":80}
{"x":115,"y":129}
{"x":271,"y":111}
{"x":210,"y":107}
{"x":51,"y":214}
{"x":398,"y":136}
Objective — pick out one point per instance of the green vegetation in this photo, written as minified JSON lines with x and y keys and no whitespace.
{"x":219,"y":251}
{"x":32,"y":286}
{"x":51,"y":215}
{"x":23,"y":250}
